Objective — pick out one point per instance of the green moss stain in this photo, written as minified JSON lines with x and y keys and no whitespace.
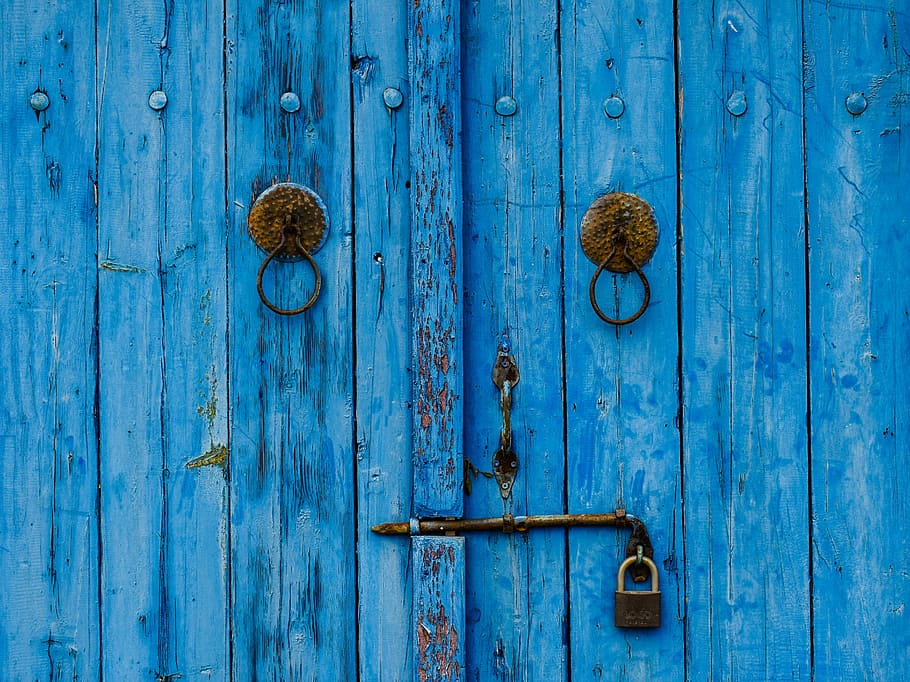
{"x":217,"y":455}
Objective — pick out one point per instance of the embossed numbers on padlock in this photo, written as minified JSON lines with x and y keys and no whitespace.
{"x":637,"y":608}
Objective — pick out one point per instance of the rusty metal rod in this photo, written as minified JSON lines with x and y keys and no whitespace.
{"x":505,"y":524}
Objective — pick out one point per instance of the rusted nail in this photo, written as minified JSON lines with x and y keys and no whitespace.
{"x":506,"y":106}
{"x":39,"y":100}
{"x":856,"y":103}
{"x":614,"y":106}
{"x":736,"y":103}
{"x":290,"y":102}
{"x":157,"y":100}
{"x":392,"y":97}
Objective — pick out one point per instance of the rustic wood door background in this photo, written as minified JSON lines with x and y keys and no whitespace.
{"x":187,"y":481}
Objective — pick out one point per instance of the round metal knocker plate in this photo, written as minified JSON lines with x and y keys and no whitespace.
{"x":288,"y":206}
{"x":622,"y":225}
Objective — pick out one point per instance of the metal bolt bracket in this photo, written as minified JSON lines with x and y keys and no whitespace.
{"x":619,"y":233}
{"x":505,"y":461}
{"x":289,"y":221}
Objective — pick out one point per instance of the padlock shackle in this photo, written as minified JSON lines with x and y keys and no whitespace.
{"x":621,"y":576}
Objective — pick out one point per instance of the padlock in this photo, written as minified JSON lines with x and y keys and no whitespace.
{"x":637,"y":608}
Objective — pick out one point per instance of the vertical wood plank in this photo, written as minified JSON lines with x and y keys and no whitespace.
{"x":291,"y":393}
{"x":621,"y":383}
{"x":858,"y":166}
{"x":49,"y":621}
{"x":162,"y":342}
{"x":516,"y":598}
{"x":382,"y":221}
{"x":434,"y":68}
{"x":438,"y":577}
{"x":434,"y":143}
{"x":743,"y":341}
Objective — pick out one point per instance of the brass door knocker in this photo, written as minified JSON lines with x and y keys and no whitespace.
{"x":619,"y":234}
{"x":289,"y":222}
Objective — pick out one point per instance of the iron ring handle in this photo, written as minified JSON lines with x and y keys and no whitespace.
{"x":593,"y":290}
{"x":268,"y":259}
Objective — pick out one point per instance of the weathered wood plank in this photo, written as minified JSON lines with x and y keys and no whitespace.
{"x":381,"y":224}
{"x":515,"y":594}
{"x":858,"y":167}
{"x":49,"y":627}
{"x":162,"y":344}
{"x":434,"y":141}
{"x":621,"y":393}
{"x":439,"y":617}
{"x":291,"y":392}
{"x":743,"y":341}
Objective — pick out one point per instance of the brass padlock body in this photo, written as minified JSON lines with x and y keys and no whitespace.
{"x":637,"y":608}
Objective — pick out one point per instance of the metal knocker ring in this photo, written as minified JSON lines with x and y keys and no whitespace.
{"x":619,"y":234}
{"x":289,"y":222}
{"x":593,"y":291}
{"x":277,"y":251}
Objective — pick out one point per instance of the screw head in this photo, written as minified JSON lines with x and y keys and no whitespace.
{"x":736,"y":103}
{"x":392,"y":97}
{"x":506,"y":106}
{"x":290,"y":102}
{"x":157,"y":100}
{"x":39,"y":100}
{"x":856,"y":103}
{"x":504,"y":486}
{"x":614,"y":107}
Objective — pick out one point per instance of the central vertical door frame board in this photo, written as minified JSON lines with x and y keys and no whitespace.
{"x":742,"y":255}
{"x":857,"y":174}
{"x":621,"y":383}
{"x":382,"y":258}
{"x":162,"y":352}
{"x":512,"y":234}
{"x":292,"y":461}
{"x":434,"y":70}
{"x":49,"y":617}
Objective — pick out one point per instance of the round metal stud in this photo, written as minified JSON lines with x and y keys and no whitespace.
{"x":506,"y":106}
{"x":614,"y":107}
{"x":39,"y":100}
{"x":290,"y":102}
{"x":392,"y":97}
{"x":157,"y":100}
{"x":736,"y":103}
{"x":856,"y":103}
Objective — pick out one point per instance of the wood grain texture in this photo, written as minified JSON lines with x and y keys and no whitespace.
{"x":291,"y":390}
{"x":439,"y":617}
{"x":516,"y":601}
{"x":743,"y":343}
{"x":381,"y":222}
{"x":621,"y":383}
{"x":434,"y":141}
{"x":49,"y":621}
{"x":857,"y":177}
{"x":162,"y":342}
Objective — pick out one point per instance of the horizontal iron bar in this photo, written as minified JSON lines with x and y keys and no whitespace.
{"x":505,"y":524}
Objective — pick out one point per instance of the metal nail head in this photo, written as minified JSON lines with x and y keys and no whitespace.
{"x":39,"y":100}
{"x":290,"y":102}
{"x":614,"y":106}
{"x":856,"y":103}
{"x":157,"y":100}
{"x":392,"y":97}
{"x":506,"y":106}
{"x":736,"y":103}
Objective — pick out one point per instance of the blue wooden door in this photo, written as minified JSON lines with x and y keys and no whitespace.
{"x":188,"y":481}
